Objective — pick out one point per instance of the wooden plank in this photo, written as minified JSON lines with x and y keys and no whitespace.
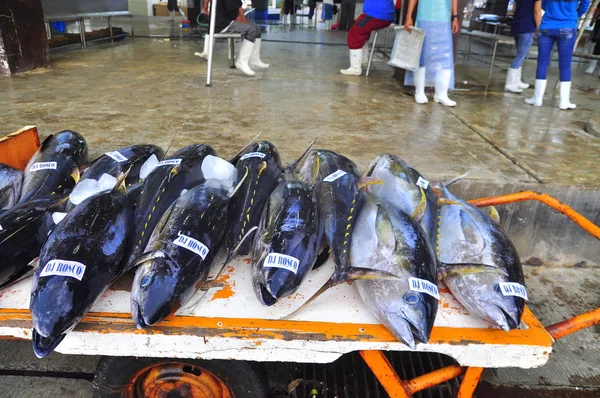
{"x":17,"y":148}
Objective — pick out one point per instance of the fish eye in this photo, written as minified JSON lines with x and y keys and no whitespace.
{"x":497,"y":289}
{"x":146,"y":281}
{"x":412,"y":298}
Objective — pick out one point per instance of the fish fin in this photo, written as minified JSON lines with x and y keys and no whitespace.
{"x":386,"y":239}
{"x":470,"y":230}
{"x":168,"y":148}
{"x":493,"y":213}
{"x":44,"y":144}
{"x":263,"y":167}
{"x":369,"y":274}
{"x":322,"y":257}
{"x":43,"y":346}
{"x":207,"y":285}
{"x":120,"y":185}
{"x":239,"y":184}
{"x":174,"y":171}
{"x":421,"y":208}
{"x":455,"y":179}
{"x":237,"y":156}
{"x":372,"y":165}
{"x":76,"y":175}
{"x":444,"y":201}
{"x":233,"y":253}
{"x":34,"y":263}
{"x":330,"y":283}
{"x":365,"y":181}
{"x":293,"y":165}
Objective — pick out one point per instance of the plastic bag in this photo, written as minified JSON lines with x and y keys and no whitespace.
{"x":406,"y":52}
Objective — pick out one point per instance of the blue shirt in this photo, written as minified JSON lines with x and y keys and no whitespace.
{"x":523,"y":21}
{"x":563,"y":13}
{"x":380,"y":9}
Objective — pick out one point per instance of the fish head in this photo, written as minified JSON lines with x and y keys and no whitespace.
{"x":43,"y":346}
{"x":477,"y":288}
{"x":154,"y":293}
{"x":309,"y":171}
{"x":53,"y":305}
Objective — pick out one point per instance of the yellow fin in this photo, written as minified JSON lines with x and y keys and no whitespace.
{"x":493,"y":213}
{"x":420,"y":210}
{"x":366,"y":181}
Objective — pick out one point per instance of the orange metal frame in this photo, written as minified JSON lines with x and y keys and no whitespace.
{"x":395,"y":387}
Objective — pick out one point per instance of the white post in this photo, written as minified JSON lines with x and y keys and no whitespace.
{"x":211,"y":41}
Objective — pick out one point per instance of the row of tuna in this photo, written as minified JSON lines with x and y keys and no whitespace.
{"x":167,"y":217}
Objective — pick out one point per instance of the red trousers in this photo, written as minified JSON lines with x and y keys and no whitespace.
{"x":361,"y":30}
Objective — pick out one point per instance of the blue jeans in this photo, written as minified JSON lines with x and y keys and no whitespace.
{"x":565,"y":41}
{"x":523,"y":43}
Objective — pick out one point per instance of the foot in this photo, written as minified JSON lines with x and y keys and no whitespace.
{"x":201,"y":55}
{"x":512,"y":88}
{"x":567,"y":105}
{"x":421,"y":98}
{"x":533,"y":101}
{"x":522,"y":85}
{"x":245,"y":68}
{"x":351,"y":71}
{"x":259,"y":65}
{"x":444,"y":101}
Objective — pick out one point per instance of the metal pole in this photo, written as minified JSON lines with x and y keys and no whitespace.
{"x":211,"y":38}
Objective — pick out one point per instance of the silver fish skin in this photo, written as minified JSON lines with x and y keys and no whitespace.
{"x":388,"y":239}
{"x":475,"y":257}
{"x":11,"y":181}
{"x":400,"y":189}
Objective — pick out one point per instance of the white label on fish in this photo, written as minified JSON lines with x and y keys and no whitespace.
{"x":282,"y":261}
{"x":334,"y":176}
{"x":423,"y":286}
{"x":169,"y":162}
{"x":513,"y":289}
{"x":71,"y":269}
{"x":192,"y":245}
{"x":43,"y":166}
{"x":423,"y":183}
{"x":254,"y":155}
{"x":116,"y":156}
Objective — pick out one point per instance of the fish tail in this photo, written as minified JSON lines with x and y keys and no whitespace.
{"x":120,"y":185}
{"x":295,"y":164}
{"x":235,"y":158}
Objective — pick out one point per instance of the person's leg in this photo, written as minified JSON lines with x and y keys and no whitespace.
{"x":513,"y":78}
{"x":565,"y":43}
{"x":249,"y":34}
{"x":545,"y":43}
{"x":204,"y":53}
{"x":358,"y":36}
{"x":255,"y":35}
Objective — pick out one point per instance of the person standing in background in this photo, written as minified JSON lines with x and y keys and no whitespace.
{"x":312,"y":4}
{"x":527,"y":18}
{"x":596,"y":39}
{"x":439,"y":20}
{"x":327,"y":13}
{"x":559,"y":25}
{"x":377,"y":14}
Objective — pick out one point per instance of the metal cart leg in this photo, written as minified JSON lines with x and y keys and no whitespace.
{"x":385,"y":373}
{"x":372,"y":52}
{"x":82,"y":33}
{"x":493,"y":59}
{"x":232,"y":52}
{"x":110,"y":29}
{"x":48,"y":30}
{"x":132,"y":31}
{"x":470,"y":381}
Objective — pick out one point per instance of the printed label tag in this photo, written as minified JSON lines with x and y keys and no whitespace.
{"x":254,"y":155}
{"x":334,"y":176}
{"x":192,"y":245}
{"x":43,"y":166}
{"x":513,"y":289}
{"x":169,"y":162}
{"x":423,"y":183}
{"x":283,"y":261}
{"x":423,"y":286}
{"x":116,"y":156}
{"x":71,"y":269}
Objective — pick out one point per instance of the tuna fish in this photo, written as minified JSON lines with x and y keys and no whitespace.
{"x":11,"y":181}
{"x":23,"y":231}
{"x":388,"y":239}
{"x":479,"y":264}
{"x":181,"y":250}
{"x":80,"y":259}
{"x":54,"y":168}
{"x":170,"y":178}
{"x":407,"y":189}
{"x":288,"y":239}
{"x":101,"y":174}
{"x":245,"y":208}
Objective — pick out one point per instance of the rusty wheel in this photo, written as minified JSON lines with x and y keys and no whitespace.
{"x":127,"y":377}
{"x":177,"y":380}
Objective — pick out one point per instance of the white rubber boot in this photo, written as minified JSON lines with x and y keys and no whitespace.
{"x":419,"y":76}
{"x":565,"y":96}
{"x":442,"y":82}
{"x":182,"y":13}
{"x":538,"y":94}
{"x":204,"y":53}
{"x":288,"y":20}
{"x":511,"y":81}
{"x":244,"y":56}
{"x":591,"y":67}
{"x":355,"y":68}
{"x":255,"y":61}
{"x":310,"y":23}
{"x":172,"y":15}
{"x":293,"y":20}
{"x":519,"y":82}
{"x":328,"y":24}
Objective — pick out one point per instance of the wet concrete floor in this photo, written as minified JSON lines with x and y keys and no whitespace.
{"x":153,"y":91}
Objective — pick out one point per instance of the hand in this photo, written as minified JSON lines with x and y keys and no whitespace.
{"x":455,"y":26}
{"x":408,"y":23}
